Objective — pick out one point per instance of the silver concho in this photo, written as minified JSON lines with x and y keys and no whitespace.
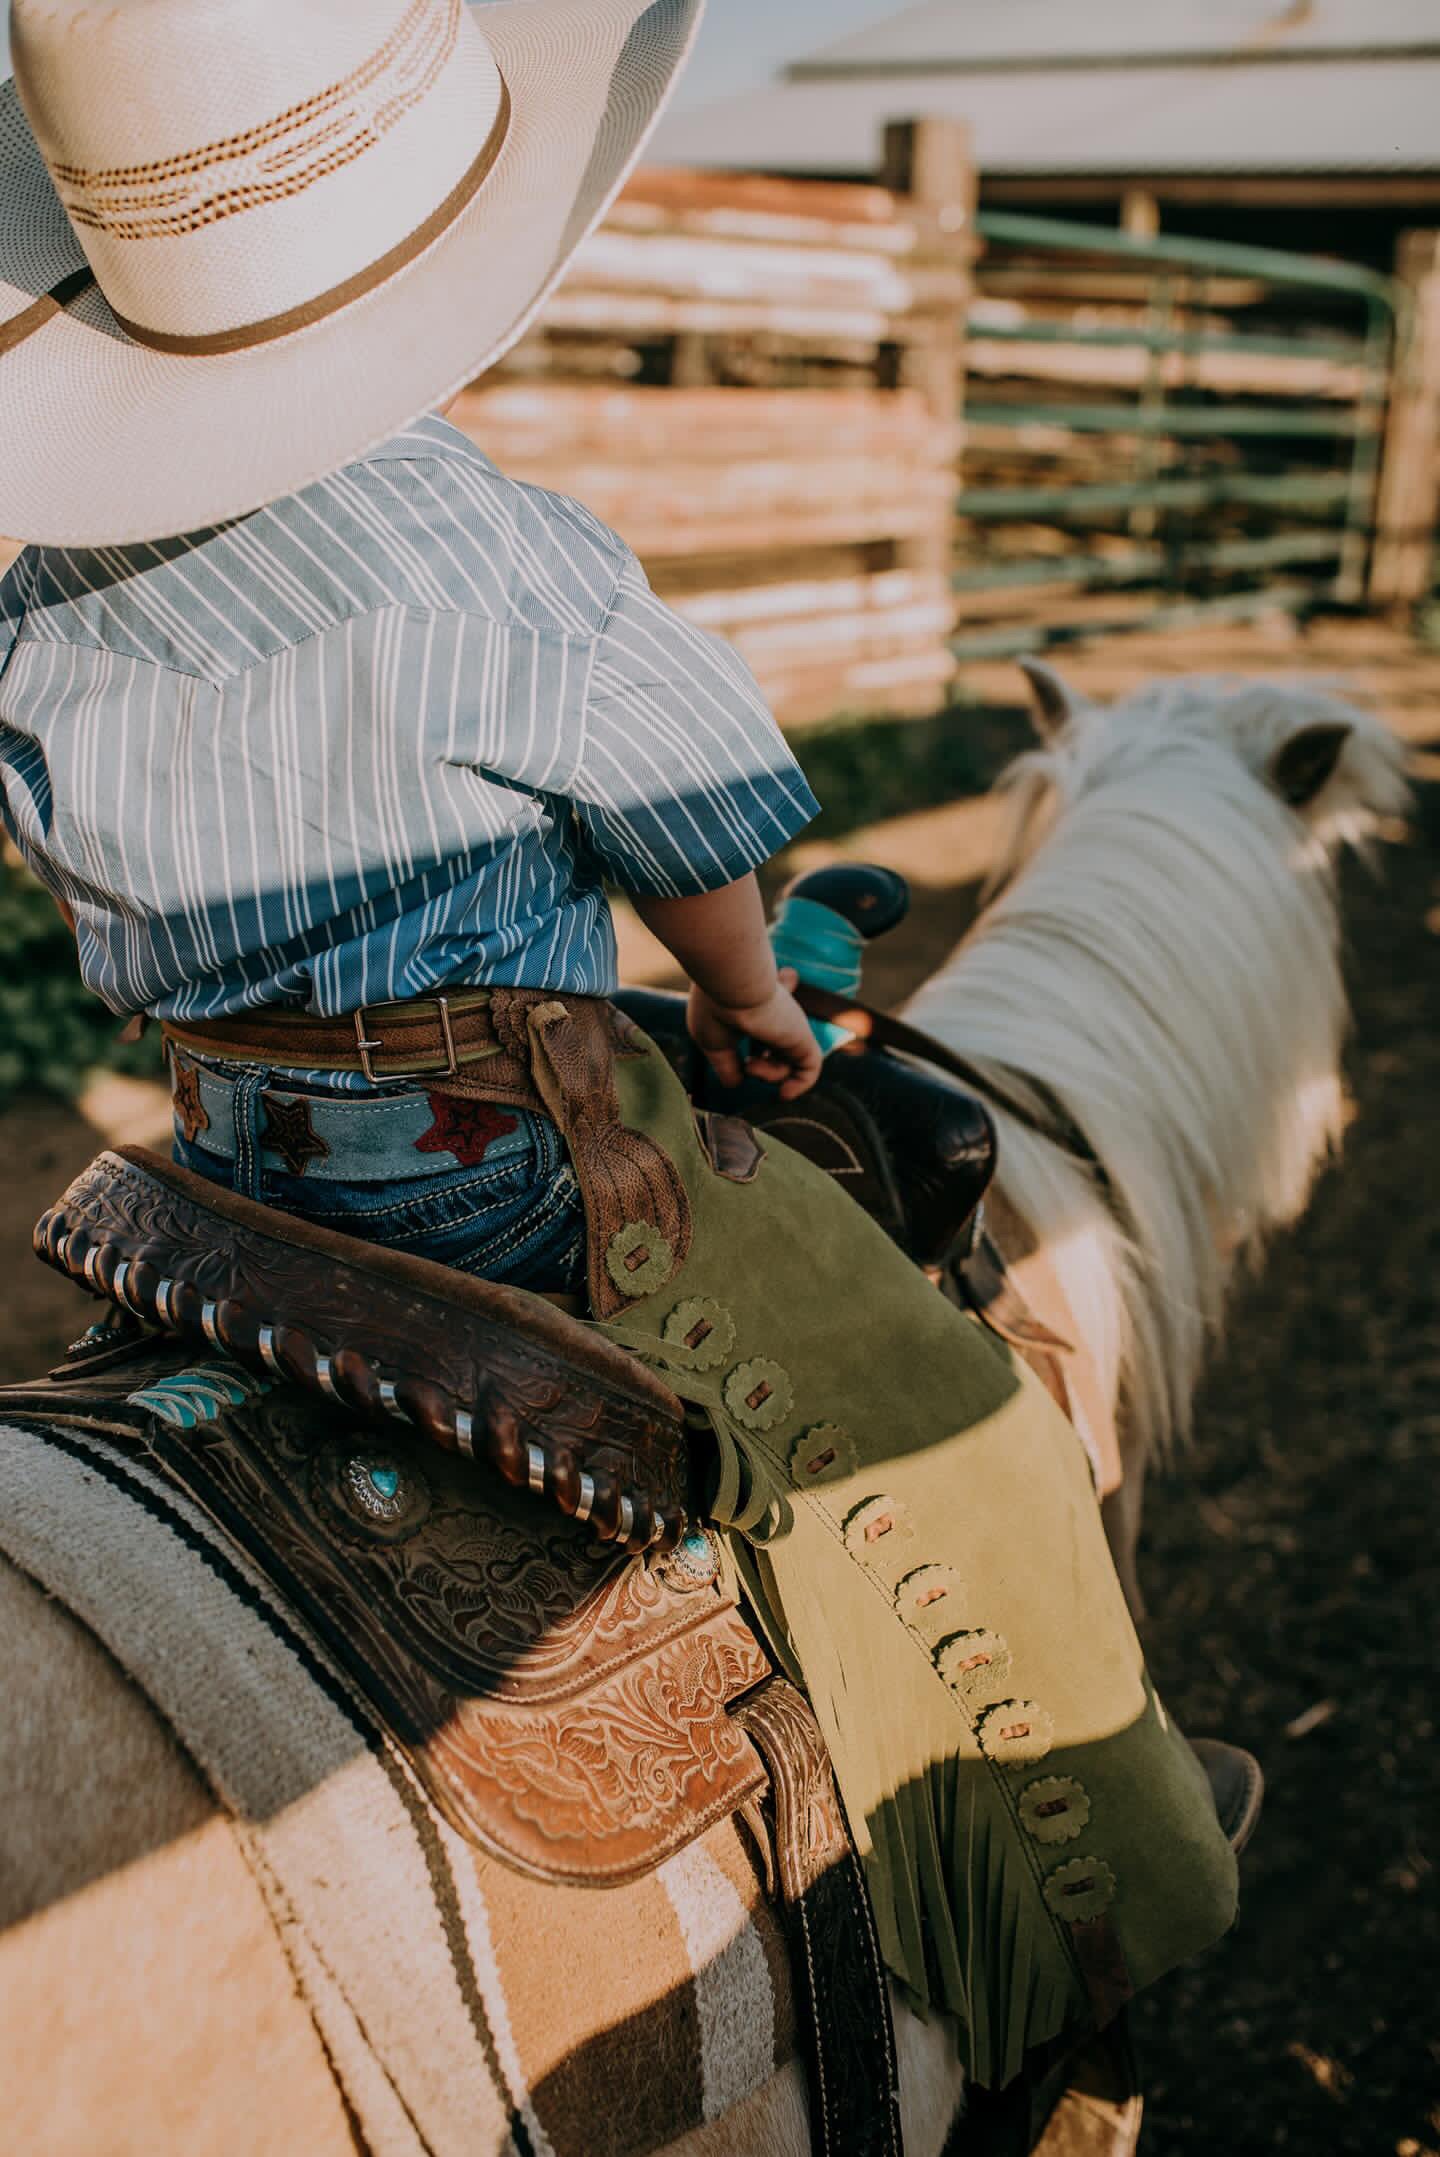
{"x":375,"y":1486}
{"x":696,"y":1557}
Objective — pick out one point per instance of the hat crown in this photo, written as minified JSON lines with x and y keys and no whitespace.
{"x":226,"y":162}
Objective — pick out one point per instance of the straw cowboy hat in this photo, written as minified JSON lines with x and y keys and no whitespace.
{"x":243,"y":241}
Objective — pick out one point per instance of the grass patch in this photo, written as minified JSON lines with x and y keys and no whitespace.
{"x":865,"y":771}
{"x":53,"y":1032}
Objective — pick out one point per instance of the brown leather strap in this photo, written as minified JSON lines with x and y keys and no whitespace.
{"x":637,"y":1210}
{"x":990,"y":1290}
{"x":54,"y":302}
{"x":987,"y":1289}
{"x":425,"y":1037}
{"x":839,"y":1977}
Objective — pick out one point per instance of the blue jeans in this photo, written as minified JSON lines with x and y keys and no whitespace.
{"x":517,"y":1219}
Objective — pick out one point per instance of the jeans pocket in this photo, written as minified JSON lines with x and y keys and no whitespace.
{"x":517,"y":1219}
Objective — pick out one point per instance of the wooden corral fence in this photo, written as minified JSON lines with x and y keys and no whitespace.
{"x":757,"y":384}
{"x":1402,"y":565}
{"x":869,"y":436}
{"x":1165,"y":427}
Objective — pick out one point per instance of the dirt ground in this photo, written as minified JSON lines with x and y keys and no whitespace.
{"x":1290,"y":1559}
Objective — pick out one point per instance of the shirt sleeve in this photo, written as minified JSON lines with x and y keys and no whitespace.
{"x":685,"y":781}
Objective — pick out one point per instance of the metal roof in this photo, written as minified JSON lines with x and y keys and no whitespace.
{"x":1030,"y":33}
{"x":1300,"y":115}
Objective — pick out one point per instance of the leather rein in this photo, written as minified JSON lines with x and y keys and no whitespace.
{"x":1050,"y":1120}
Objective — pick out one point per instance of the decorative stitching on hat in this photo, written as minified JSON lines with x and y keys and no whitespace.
{"x":369,"y":279}
{"x":183,"y":193}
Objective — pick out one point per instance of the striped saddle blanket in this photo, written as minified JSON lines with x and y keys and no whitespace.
{"x":441,"y":1717}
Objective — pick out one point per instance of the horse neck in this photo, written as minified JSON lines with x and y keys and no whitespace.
{"x":1166,"y":967}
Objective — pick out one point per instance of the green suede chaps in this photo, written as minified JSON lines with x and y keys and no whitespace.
{"x":914,"y":1525}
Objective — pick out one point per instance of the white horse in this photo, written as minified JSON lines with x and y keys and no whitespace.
{"x":1162,"y":961}
{"x":1161,"y":955}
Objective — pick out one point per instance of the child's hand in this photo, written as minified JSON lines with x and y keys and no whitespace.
{"x":782,"y":1047}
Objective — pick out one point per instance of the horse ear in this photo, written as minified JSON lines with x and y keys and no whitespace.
{"x":1306,"y":762}
{"x":1052,"y":701}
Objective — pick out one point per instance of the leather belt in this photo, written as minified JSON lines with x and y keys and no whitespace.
{"x":518,"y":1048}
{"x":423,"y":1037}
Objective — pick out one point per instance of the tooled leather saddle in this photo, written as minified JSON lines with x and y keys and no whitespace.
{"x":579,"y":1713}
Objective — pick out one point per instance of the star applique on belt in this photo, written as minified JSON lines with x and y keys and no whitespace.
{"x":464,"y":1128}
{"x":289,"y":1131}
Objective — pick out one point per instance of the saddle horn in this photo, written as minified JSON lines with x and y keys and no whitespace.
{"x":870,"y":899}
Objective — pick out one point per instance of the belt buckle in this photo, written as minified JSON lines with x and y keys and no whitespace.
{"x":368,"y":1047}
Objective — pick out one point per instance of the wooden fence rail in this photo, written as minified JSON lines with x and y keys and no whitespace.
{"x":757,"y":383}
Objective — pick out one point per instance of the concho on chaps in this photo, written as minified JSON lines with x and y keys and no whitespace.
{"x":489,"y":1372}
{"x":566,"y":1706}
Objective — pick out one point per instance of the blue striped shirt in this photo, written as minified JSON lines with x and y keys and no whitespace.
{"x":389,"y":733}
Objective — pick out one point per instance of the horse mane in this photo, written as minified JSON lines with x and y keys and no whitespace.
{"x":1163,"y":957}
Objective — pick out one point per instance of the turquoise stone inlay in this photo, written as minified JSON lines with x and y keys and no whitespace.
{"x":379,"y":1491}
{"x":695,"y":1558}
{"x":185,"y":1399}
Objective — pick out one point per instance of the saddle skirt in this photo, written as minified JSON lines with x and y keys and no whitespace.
{"x":586,"y":1717}
{"x":564,"y":1705}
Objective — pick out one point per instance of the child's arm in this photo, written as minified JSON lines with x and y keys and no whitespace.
{"x":719,"y":937}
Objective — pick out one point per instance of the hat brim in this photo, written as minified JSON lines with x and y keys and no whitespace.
{"x":107,"y":441}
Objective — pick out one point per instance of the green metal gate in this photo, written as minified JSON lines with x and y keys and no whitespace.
{"x":1192,"y":425}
